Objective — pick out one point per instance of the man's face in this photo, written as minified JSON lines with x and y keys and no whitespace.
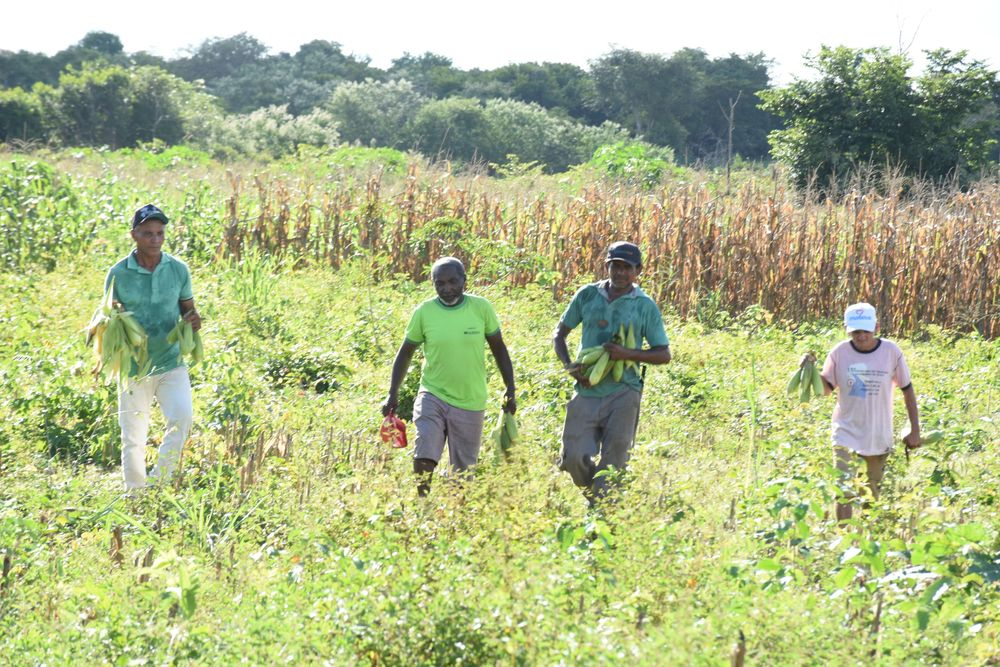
{"x":622,"y":274}
{"x":148,"y":236}
{"x":863,"y":340}
{"x":449,"y":284}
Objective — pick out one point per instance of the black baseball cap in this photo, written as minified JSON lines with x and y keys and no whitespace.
{"x":148,"y":212}
{"x":624,"y":251}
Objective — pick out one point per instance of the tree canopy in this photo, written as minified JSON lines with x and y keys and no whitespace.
{"x":864,"y":108}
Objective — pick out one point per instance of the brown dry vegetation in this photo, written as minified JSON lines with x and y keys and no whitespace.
{"x":923,"y":260}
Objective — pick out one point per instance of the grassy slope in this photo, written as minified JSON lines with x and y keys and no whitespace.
{"x":329,"y":558}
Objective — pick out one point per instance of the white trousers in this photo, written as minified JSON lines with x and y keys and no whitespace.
{"x":172,"y":390}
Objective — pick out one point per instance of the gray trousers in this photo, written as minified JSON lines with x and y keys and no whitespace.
{"x":598,"y":426}
{"x":437,"y":421}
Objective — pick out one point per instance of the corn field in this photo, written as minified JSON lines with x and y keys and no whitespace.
{"x":917,"y":261}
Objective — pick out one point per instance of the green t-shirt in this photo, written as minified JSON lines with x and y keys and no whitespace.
{"x":454,"y":340}
{"x":600,"y":319}
{"x":153,"y":297}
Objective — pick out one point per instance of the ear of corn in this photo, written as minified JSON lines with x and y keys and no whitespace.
{"x":928,"y":438}
{"x":187,"y":337}
{"x":596,"y":361}
{"x":504,"y":434}
{"x":510,"y":428}
{"x":133,"y":330}
{"x":932,"y":437}
{"x":496,"y":435}
{"x":589,"y":355}
{"x":189,"y":341}
{"x":817,"y":382}
{"x":198,"y":354}
{"x":793,"y":382}
{"x":805,"y":382}
{"x":600,"y":368}
{"x":630,"y":344}
{"x":117,"y":339}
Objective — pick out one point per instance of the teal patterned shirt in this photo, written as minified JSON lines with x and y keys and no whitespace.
{"x":600,"y":319}
{"x":153,"y":297}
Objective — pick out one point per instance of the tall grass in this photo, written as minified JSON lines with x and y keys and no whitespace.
{"x":917,"y":259}
{"x":293,"y":535}
{"x":928,"y":256}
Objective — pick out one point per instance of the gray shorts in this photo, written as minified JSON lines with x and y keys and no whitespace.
{"x":601,"y":426}
{"x":437,"y":421}
{"x":848,"y":462}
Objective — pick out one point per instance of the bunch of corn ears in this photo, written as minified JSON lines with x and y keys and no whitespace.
{"x":504,"y":434}
{"x":118,"y":340}
{"x":806,"y":381}
{"x":189,"y":339}
{"x":597,"y":363}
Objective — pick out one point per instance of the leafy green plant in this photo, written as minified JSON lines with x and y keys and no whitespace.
{"x":638,"y":164}
{"x":307,"y":368}
{"x":158,"y":156}
{"x":294,"y":535}
{"x":40,"y":217}
{"x":69,"y":418}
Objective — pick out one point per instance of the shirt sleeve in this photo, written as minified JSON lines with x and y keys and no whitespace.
{"x":652,"y":327}
{"x":186,"y":292}
{"x":107,"y":283}
{"x":573,"y":314}
{"x":902,"y":375}
{"x":490,"y":319}
{"x":415,"y":329}
{"x":829,"y":372}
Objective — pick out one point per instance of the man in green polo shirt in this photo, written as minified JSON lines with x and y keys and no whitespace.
{"x":156,"y":288}
{"x":601,"y":419}
{"x":451,"y":403}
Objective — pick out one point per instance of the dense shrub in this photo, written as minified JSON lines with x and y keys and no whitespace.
{"x":376,"y":113}
{"x":273,"y":132}
{"x":635,"y":163}
{"x":39,"y":216}
{"x":20,"y":116}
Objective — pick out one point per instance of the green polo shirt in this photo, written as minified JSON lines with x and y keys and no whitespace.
{"x":600,"y":318}
{"x":454,"y":341}
{"x":154,"y":297}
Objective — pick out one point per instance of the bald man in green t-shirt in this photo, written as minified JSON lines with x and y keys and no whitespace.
{"x":451,"y":403}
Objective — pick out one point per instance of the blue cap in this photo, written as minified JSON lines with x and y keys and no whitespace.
{"x":625,"y":252}
{"x":148,"y":212}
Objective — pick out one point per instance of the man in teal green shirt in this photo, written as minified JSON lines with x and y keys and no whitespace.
{"x":601,"y":419}
{"x":451,"y":403}
{"x":156,"y":288}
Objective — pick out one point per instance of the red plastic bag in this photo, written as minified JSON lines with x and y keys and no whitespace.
{"x":393,"y":431}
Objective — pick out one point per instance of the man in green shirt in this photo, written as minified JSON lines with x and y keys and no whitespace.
{"x":601,"y":419}
{"x":451,"y":403}
{"x":156,"y":288}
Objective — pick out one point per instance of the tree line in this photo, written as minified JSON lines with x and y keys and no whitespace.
{"x":230,"y":95}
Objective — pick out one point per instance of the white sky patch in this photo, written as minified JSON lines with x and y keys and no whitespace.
{"x":486,"y":36}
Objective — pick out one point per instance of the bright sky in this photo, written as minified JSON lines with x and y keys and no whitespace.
{"x":488,"y":35}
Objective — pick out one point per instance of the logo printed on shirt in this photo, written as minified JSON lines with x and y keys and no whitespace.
{"x":857,"y":385}
{"x":865,"y":382}
{"x":855,"y":382}
{"x":471,"y":331}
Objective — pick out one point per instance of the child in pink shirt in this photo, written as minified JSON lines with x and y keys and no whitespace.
{"x":865,"y":369}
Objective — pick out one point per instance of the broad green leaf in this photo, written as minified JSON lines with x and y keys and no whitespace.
{"x":845,"y":576}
